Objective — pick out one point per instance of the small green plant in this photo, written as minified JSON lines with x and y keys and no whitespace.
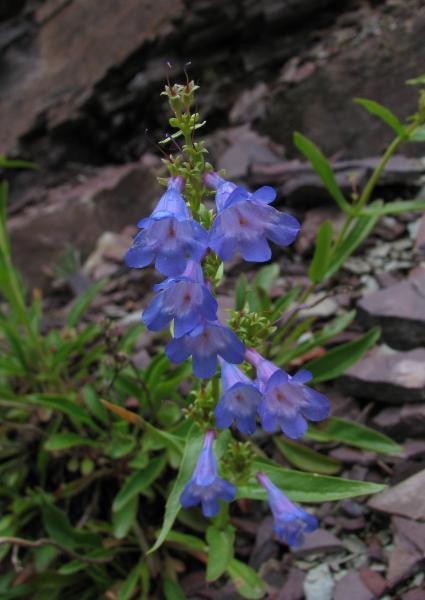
{"x":97,"y":455}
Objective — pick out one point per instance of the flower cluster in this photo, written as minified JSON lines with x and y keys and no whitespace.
{"x":244,"y":223}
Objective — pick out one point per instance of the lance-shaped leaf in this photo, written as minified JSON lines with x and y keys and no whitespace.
{"x":383,"y":113}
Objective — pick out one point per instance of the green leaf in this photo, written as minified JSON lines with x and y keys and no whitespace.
{"x":6,"y":163}
{"x":83,"y":302}
{"x":123,"y":519}
{"x":190,"y":456}
{"x":305,"y":487}
{"x":128,"y":587}
{"x":59,"y":528}
{"x":337,"y":429}
{"x":417,"y":81}
{"x":323,"y":169}
{"x":172,"y":590}
{"x":325,"y":334}
{"x":395,"y":208}
{"x":284,"y":302}
{"x":67,"y":439}
{"x":189,"y":542}
{"x":138,"y":482}
{"x":266,"y":277}
{"x":322,"y":253}
{"x":357,"y":234}
{"x":62,"y":404}
{"x":307,"y":459}
{"x":339,"y":359}
{"x":240,"y":292}
{"x":383,"y":113}
{"x":247,"y":582}
{"x":418,"y":135}
{"x":221,"y":549}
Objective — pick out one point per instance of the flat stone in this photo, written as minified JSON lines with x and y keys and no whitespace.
{"x":77,"y":215}
{"x":414,"y":531}
{"x":414,"y":594}
{"x":390,"y":377}
{"x":352,"y":586}
{"x":293,"y":587}
{"x":400,"y":312}
{"x":399,"y":423}
{"x":319,"y":542}
{"x":373,"y":581}
{"x":403,"y":561}
{"x":406,"y":499}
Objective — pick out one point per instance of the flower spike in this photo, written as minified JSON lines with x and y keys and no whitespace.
{"x":290,"y":521}
{"x":205,"y":487}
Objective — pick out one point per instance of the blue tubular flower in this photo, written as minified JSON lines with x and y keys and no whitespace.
{"x":239,"y":401}
{"x":290,"y":521}
{"x":286,"y":402}
{"x":169,"y":236}
{"x":245,"y":222}
{"x":205,"y":486}
{"x":205,"y":343}
{"x":185,"y":299}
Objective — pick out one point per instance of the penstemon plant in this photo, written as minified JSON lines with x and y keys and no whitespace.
{"x":189,"y":243}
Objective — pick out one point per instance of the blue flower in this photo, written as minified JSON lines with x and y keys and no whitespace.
{"x":169,"y":236}
{"x":290,"y":521}
{"x":205,"y":343}
{"x":286,"y":401}
{"x":185,"y":299}
{"x":245,"y":222}
{"x":205,"y":486}
{"x":239,"y":400}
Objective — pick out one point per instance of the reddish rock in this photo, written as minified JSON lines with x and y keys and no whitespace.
{"x":351,"y":587}
{"x":373,"y":581}
{"x":313,"y":218}
{"x":406,"y":499}
{"x":293,"y":587}
{"x":76,"y":46}
{"x":77,"y":215}
{"x":413,"y":531}
{"x":414,"y":594}
{"x":320,"y":542}
{"x":404,"y":561}
{"x":400,"y":311}
{"x":393,"y":378}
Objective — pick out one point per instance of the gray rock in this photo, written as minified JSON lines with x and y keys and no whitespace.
{"x":406,"y":499}
{"x":399,"y":423}
{"x":393,"y":378}
{"x":399,"y":310}
{"x":319,"y":584}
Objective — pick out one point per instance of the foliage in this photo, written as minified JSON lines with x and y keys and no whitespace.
{"x":90,"y":444}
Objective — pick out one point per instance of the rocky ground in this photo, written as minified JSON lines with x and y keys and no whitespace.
{"x":80,"y":83}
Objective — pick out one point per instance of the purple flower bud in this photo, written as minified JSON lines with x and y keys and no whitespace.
{"x":239,"y":400}
{"x":205,"y":486}
{"x":290,"y":521}
{"x":169,"y":236}
{"x":185,"y":299}
{"x":286,"y":402}
{"x":245,"y":222}
{"x":204,"y":344}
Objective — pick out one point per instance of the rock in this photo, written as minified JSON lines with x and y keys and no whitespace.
{"x":312,"y":220}
{"x":352,"y":586}
{"x":77,"y":215}
{"x":108,"y":256}
{"x":319,"y":584}
{"x":414,"y":594}
{"x":404,"y":560}
{"x":412,"y":531}
{"x":293,"y":587}
{"x":373,"y":581}
{"x":372,"y":74}
{"x":357,"y":265}
{"x":320,"y":542}
{"x":399,"y":423}
{"x":401,"y":329}
{"x":394,"y":378}
{"x":54,"y":74}
{"x":250,"y":105}
{"x":419,"y":234}
{"x":406,"y":499}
